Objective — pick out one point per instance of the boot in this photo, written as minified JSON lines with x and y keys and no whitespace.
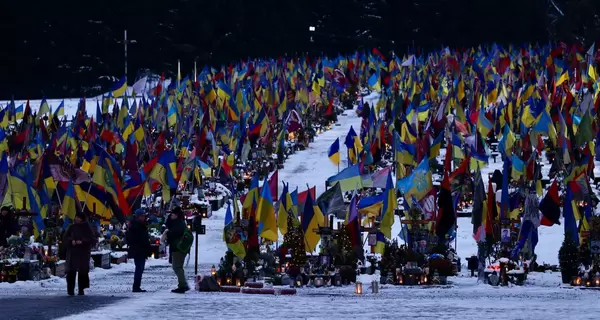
{"x":81,"y":293}
{"x":71,"y":283}
{"x":179,"y":290}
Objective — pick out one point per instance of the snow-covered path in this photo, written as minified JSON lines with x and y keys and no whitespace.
{"x":312,"y":166}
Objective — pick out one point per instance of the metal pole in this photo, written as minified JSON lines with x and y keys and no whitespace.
{"x":196,"y":255}
{"x":178,"y":72}
{"x":125,"y":43}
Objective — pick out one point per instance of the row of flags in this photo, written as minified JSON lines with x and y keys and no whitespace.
{"x":529,"y":99}
{"x":105,"y":162}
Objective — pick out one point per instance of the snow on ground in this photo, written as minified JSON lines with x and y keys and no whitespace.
{"x":465,"y":301}
{"x":550,"y":239}
{"x":211,"y":246}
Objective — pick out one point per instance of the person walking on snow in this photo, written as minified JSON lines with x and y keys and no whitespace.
{"x":138,"y":242}
{"x":176,"y":228}
{"x":79,"y":240}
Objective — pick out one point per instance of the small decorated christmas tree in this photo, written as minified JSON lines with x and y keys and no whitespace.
{"x":568,"y":258}
{"x":294,"y":240}
{"x":345,"y":253}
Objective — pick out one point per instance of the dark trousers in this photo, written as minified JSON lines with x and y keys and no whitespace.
{"x":140,"y":264}
{"x":83,"y":282}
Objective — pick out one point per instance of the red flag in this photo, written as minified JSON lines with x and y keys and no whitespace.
{"x":273,"y":182}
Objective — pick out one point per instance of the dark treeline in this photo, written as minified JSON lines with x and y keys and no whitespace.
{"x":67,"y":48}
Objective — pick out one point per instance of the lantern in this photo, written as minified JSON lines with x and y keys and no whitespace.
{"x":359,"y":287}
{"x":299,"y":281}
{"x":400,"y":279}
{"x":319,"y":282}
{"x":228,"y":279}
{"x":588,"y":283}
{"x":338,"y":280}
{"x":597,"y":282}
{"x":374,"y":287}
{"x":578,"y":281}
{"x":238,"y":282}
{"x":213,"y":271}
{"x":219,"y":281}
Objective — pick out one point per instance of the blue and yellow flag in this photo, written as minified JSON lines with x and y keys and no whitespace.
{"x":267,"y":226}
{"x":285,"y":210}
{"x":349,"y":179}
{"x":312,"y":218}
{"x":390,"y":203}
{"x":334,"y":152}
{"x":231,"y":237}
{"x":417,"y":184}
{"x":68,"y":203}
{"x":120,"y":88}
{"x":518,"y":167}
{"x":21,"y":194}
{"x":165,"y":172}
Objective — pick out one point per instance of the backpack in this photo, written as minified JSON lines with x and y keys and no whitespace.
{"x":185,"y":243}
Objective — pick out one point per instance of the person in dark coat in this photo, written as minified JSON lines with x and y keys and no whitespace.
{"x":79,"y":240}
{"x":6,"y":226}
{"x":138,"y":242}
{"x":175,"y":229}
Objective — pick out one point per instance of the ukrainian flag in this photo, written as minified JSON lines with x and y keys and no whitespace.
{"x":4,"y":118}
{"x":334,"y":152}
{"x":285,"y":207}
{"x":231,"y":237}
{"x":483,"y":124}
{"x":21,"y":194}
{"x":267,"y":226}
{"x":380,"y":246}
{"x":206,"y":170}
{"x":390,"y":203}
{"x":507,"y":142}
{"x":44,"y":107}
{"x":374,"y":82}
{"x":436,"y":145}
{"x":120,"y":88}
{"x":372,"y":205}
{"x":349,"y":179}
{"x":68,"y":203}
{"x":165,"y":172}
{"x":564,"y":77}
{"x":404,"y":152}
{"x":96,"y":201}
{"x":172,"y":115}
{"x":457,"y":144}
{"x":19,"y":112}
{"x":252,"y":194}
{"x":417,"y":184}
{"x":60,"y":111}
{"x":139,"y":131}
{"x":518,"y":167}
{"x":312,"y":218}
